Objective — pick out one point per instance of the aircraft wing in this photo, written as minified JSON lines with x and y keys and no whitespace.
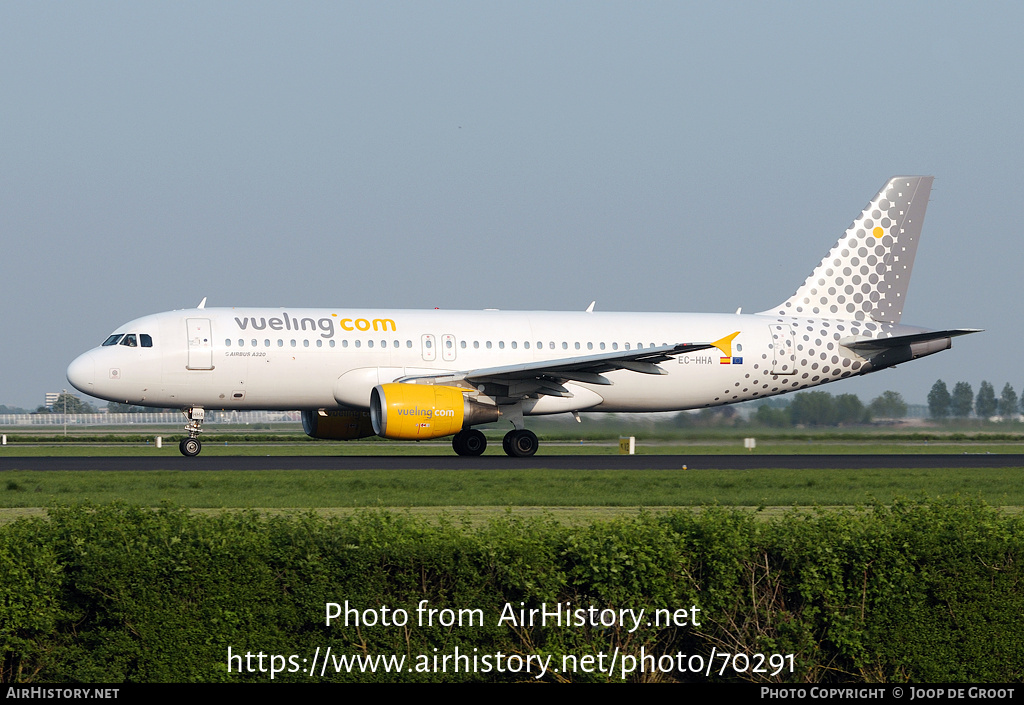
{"x":546,"y":377}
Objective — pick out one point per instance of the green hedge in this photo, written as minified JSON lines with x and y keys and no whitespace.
{"x":922,"y":591}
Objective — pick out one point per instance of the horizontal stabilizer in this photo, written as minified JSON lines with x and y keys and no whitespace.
{"x":878,"y":344}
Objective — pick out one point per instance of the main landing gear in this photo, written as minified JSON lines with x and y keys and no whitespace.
{"x":190,"y":447}
{"x":519,"y":443}
{"x":469,"y":442}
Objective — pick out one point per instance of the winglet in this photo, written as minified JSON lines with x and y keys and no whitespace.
{"x":725,"y":344}
{"x":590,"y":308}
{"x":202,"y":304}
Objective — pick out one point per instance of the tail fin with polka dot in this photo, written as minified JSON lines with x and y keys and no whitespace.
{"x":866,"y":274}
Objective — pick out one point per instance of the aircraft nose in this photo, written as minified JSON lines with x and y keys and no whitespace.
{"x":82,"y":373}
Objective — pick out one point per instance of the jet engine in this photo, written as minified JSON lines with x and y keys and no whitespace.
{"x":422,"y":411}
{"x":337,"y":425}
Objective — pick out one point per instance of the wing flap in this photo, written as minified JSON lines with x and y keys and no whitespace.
{"x":546,"y":377}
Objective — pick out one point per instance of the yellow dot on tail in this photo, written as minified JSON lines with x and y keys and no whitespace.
{"x":878,"y":233}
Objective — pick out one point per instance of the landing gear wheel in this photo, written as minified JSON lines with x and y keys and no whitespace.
{"x":521,"y":443}
{"x":190,"y":447}
{"x":475,"y":443}
{"x":470,"y":443}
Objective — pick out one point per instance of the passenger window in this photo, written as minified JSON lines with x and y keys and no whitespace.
{"x":227,"y":342}
{"x":577,"y":346}
{"x":266,"y":342}
{"x":241,"y":343}
{"x":332,"y":343}
{"x":320,"y":343}
{"x":501,"y":344}
{"x":112,"y":340}
{"x":565,"y":345}
{"x":305,"y":343}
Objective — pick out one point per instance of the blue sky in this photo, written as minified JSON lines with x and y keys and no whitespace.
{"x":651,"y":156}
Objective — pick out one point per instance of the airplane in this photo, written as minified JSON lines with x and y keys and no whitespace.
{"x":417,"y":375}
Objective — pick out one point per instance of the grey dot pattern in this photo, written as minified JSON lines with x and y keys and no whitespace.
{"x":865,"y":276}
{"x":817,"y":357}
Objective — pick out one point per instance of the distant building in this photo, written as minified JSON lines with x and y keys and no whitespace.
{"x":52,"y":397}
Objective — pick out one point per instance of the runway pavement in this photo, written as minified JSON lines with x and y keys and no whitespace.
{"x":496,"y":462}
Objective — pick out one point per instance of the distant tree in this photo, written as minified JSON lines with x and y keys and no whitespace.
{"x":771,"y":416}
{"x":68,"y":403}
{"x":985,"y":403}
{"x":889,"y":405}
{"x":938,"y":401}
{"x":813,"y":409}
{"x":1007,"y":402}
{"x":962,"y":400}
{"x":4,"y":409}
{"x":850,"y":410}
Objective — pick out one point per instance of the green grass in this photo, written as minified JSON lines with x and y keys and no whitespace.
{"x":212,"y":446}
{"x":508,"y":488}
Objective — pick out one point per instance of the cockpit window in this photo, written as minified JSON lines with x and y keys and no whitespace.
{"x":146,"y":340}
{"x":112,"y":340}
{"x":129,"y":340}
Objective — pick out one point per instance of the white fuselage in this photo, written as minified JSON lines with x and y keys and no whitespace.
{"x":480,"y":366}
{"x":235,"y":358}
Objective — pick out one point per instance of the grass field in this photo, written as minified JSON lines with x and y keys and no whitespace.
{"x":216,"y":446}
{"x":535,"y":487}
{"x":588,"y":493}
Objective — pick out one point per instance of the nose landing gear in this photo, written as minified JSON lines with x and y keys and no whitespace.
{"x":190,"y":447}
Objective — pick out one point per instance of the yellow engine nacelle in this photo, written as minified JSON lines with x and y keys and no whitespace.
{"x":337,"y":425}
{"x":422,"y":411}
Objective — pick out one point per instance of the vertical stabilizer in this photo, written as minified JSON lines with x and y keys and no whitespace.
{"x":866,"y":274}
